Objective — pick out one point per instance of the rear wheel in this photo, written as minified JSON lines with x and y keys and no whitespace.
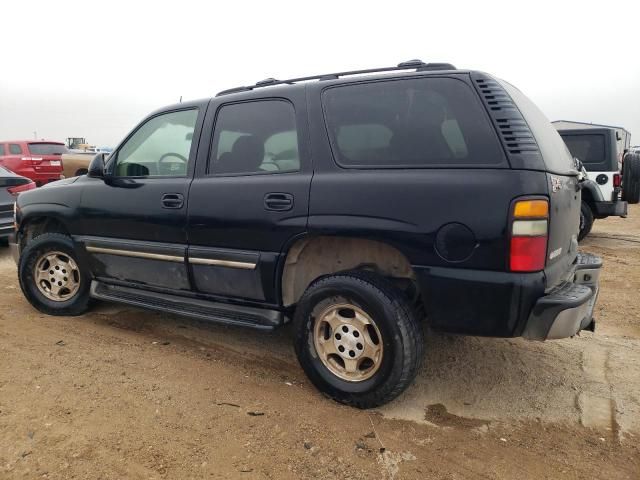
{"x":631,"y":178}
{"x":586,"y":220}
{"x":51,"y":276}
{"x":358,"y":338}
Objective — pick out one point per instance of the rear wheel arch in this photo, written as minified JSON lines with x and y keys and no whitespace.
{"x":312,"y":257}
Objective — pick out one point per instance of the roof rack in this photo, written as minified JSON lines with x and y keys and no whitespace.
{"x":417,"y":65}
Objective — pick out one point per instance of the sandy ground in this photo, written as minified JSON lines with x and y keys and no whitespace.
{"x":126,"y":394}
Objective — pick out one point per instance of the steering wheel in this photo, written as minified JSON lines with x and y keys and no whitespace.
{"x":172,"y":154}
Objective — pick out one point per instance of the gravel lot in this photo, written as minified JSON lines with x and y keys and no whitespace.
{"x":123,"y":393}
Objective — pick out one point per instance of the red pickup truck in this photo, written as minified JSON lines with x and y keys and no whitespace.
{"x":39,"y":160}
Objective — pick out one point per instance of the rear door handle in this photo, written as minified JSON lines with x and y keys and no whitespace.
{"x":172,"y":200}
{"x":279,"y":202}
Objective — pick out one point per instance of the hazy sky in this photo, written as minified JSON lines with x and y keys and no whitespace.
{"x":94,"y":69}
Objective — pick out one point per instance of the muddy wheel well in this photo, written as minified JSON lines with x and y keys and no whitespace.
{"x":37,"y":226}
{"x":312,"y":258}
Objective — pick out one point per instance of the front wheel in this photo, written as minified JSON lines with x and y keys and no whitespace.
{"x":51,"y":276}
{"x":358,"y":338}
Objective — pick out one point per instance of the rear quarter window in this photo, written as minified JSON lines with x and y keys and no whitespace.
{"x":15,"y":149}
{"x":410,"y":123}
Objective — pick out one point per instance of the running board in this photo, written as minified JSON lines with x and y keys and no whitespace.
{"x":259,"y":318}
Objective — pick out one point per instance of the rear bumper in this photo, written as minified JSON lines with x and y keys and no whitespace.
{"x":40,"y":177}
{"x":501,"y":304}
{"x":610,"y":209}
{"x":568,"y":308}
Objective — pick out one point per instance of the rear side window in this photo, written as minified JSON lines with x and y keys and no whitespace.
{"x":1,"y":149}
{"x":589,"y":148}
{"x":47,"y":148}
{"x":255,"y":137}
{"x":15,"y":149}
{"x":426,"y":122}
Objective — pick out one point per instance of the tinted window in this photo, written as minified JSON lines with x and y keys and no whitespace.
{"x":47,"y":149}
{"x":1,"y":149}
{"x":15,"y":149}
{"x":161,"y":147}
{"x":588,"y":148}
{"x":410,"y":123}
{"x":255,"y":137}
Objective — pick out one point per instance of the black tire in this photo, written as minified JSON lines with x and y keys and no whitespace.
{"x":586,"y":221}
{"x":631,"y":178}
{"x":48,"y":242}
{"x":396,"y":319}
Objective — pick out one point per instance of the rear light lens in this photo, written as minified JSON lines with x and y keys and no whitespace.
{"x":617,"y":179}
{"x":21,"y":188}
{"x":529,"y":235}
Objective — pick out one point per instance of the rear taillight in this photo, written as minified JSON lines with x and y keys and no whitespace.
{"x":31,"y":160}
{"x":617,"y":180}
{"x":529,"y":234}
{"x":21,"y":188}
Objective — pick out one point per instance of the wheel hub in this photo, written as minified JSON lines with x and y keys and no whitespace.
{"x":57,"y":276}
{"x":348,"y":342}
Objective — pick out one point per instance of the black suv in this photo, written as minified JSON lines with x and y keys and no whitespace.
{"x":354,"y":204}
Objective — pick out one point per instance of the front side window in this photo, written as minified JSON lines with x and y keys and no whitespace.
{"x":255,"y":137}
{"x":160,"y":148}
{"x":15,"y":149}
{"x":409,"y":123}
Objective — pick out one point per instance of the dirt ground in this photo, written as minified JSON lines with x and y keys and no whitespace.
{"x":126,"y":394}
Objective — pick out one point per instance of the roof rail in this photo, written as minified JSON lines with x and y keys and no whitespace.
{"x":417,"y":65}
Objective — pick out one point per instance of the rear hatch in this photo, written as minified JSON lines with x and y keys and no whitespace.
{"x":46,"y":157}
{"x":563,"y":189}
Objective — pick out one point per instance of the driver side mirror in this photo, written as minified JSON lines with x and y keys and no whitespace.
{"x":96,"y":167}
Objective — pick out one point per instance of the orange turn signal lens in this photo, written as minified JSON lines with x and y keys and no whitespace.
{"x":531,"y":209}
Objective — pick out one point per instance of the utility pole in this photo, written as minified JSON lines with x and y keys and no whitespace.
{"x":35,"y":135}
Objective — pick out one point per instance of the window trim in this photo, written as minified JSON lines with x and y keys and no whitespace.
{"x":210,"y":156}
{"x":502,"y":164}
{"x":113,"y":157}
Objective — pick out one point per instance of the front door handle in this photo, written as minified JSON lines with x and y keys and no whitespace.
{"x":279,"y":202}
{"x":172,"y":200}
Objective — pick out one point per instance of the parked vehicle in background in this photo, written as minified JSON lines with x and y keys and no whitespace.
{"x":11,"y":184}
{"x":610,"y":186}
{"x":622,"y":135}
{"x":433,"y":192}
{"x":39,"y":160}
{"x":74,"y":164}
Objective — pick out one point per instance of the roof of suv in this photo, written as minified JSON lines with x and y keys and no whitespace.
{"x":414,"y":65}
